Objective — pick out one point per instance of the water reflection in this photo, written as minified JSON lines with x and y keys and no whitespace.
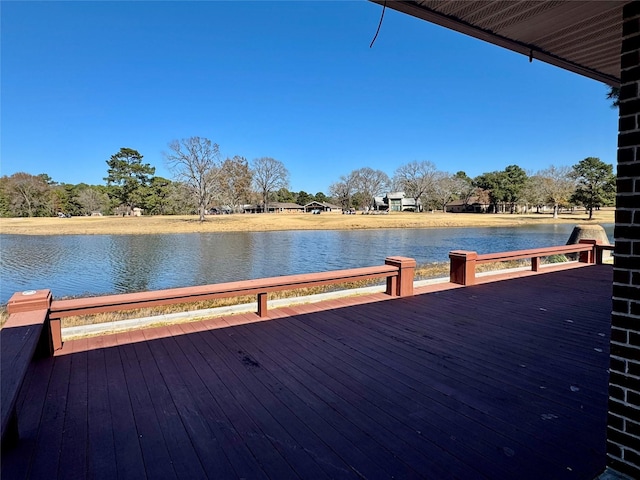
{"x":74,"y":265}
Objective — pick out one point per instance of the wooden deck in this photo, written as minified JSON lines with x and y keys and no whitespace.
{"x":501,"y":380}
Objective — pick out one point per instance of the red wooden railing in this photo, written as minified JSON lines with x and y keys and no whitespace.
{"x":463,"y":263}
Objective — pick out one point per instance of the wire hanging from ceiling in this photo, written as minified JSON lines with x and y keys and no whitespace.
{"x":384,"y":7}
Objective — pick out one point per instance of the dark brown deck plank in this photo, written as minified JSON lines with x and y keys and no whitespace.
{"x":183,"y":457}
{"x":155,"y":453}
{"x":46,"y":458}
{"x":207,"y":389}
{"x":175,"y":369}
{"x":73,"y":458}
{"x":101,"y":446}
{"x":298,"y":444}
{"x":515,"y":369}
{"x":242,"y":411}
{"x":232,"y":368}
{"x":449,"y":394}
{"x":388,"y":349}
{"x":381,"y":443}
{"x":30,"y":407}
{"x":397,"y":407}
{"x":128,"y":453}
{"x":335,"y":454}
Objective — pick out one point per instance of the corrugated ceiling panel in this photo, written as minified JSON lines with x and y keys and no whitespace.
{"x":582,"y":36}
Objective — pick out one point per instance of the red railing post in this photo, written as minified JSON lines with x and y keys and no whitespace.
{"x":403,"y":285}
{"x":535,"y":264}
{"x":32,"y":301}
{"x":262,"y":304}
{"x":462,"y":267}
{"x":588,"y":256}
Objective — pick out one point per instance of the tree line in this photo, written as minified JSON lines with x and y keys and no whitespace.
{"x":202,"y":181}
{"x":590,"y":183}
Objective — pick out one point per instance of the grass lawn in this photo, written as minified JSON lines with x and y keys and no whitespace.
{"x":282,"y":221}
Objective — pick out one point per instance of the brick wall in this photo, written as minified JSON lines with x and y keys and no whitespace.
{"x":623,"y":432}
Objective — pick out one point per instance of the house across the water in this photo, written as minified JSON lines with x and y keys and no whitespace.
{"x":397,"y":202}
{"x":322,"y":207}
{"x":275,"y":207}
{"x":473,"y":205}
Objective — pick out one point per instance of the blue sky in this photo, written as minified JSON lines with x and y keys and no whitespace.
{"x":293,"y":80}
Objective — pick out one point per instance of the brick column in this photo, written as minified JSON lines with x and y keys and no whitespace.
{"x":623,"y":430}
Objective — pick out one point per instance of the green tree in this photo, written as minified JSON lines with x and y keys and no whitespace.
{"x":302,"y":198}
{"x":235,"y":182}
{"x":26,"y":195}
{"x":596,"y":184}
{"x":614,"y":96}
{"x":466,"y":188}
{"x":127,"y":177}
{"x":158,"y":201}
{"x":320,"y":197}
{"x":494,"y":184}
{"x":515,"y":180}
{"x":284,"y":195}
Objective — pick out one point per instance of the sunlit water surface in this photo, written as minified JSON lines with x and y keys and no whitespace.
{"x":73,"y":265}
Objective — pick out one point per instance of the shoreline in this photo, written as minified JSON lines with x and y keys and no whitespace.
{"x":147,"y":225}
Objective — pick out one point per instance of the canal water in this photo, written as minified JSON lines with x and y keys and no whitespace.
{"x":76,"y":265}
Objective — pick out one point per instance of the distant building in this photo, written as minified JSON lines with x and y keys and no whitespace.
{"x":397,"y":202}
{"x":275,"y":207}
{"x":322,"y":206}
{"x":473,"y":205}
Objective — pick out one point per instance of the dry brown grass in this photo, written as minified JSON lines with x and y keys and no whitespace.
{"x":284,"y":221}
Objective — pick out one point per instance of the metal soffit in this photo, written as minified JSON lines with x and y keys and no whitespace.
{"x":581,"y":36}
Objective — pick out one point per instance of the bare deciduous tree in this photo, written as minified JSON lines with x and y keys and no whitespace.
{"x":415,"y":179}
{"x":557,"y":186}
{"x":343,"y":190}
{"x":370,"y":183}
{"x":195,"y":161}
{"x":445,"y":187}
{"x":269,"y":175}
{"x":93,"y":200}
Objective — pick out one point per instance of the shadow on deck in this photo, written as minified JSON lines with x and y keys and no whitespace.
{"x":499,"y":380}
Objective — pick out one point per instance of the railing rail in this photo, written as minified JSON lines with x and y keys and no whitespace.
{"x":398,"y":271}
{"x":463,"y":262}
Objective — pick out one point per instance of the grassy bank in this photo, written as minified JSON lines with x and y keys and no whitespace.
{"x":284,"y":221}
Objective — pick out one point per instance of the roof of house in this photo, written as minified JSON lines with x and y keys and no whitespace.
{"x":395,"y":195}
{"x":284,"y":205}
{"x":471,"y":201}
{"x":580,"y":36}
{"x":322,"y":204}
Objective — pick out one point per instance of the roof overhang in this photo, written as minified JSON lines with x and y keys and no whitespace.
{"x":580,"y":36}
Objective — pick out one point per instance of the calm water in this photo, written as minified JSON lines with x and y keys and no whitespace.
{"x":98,"y":264}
